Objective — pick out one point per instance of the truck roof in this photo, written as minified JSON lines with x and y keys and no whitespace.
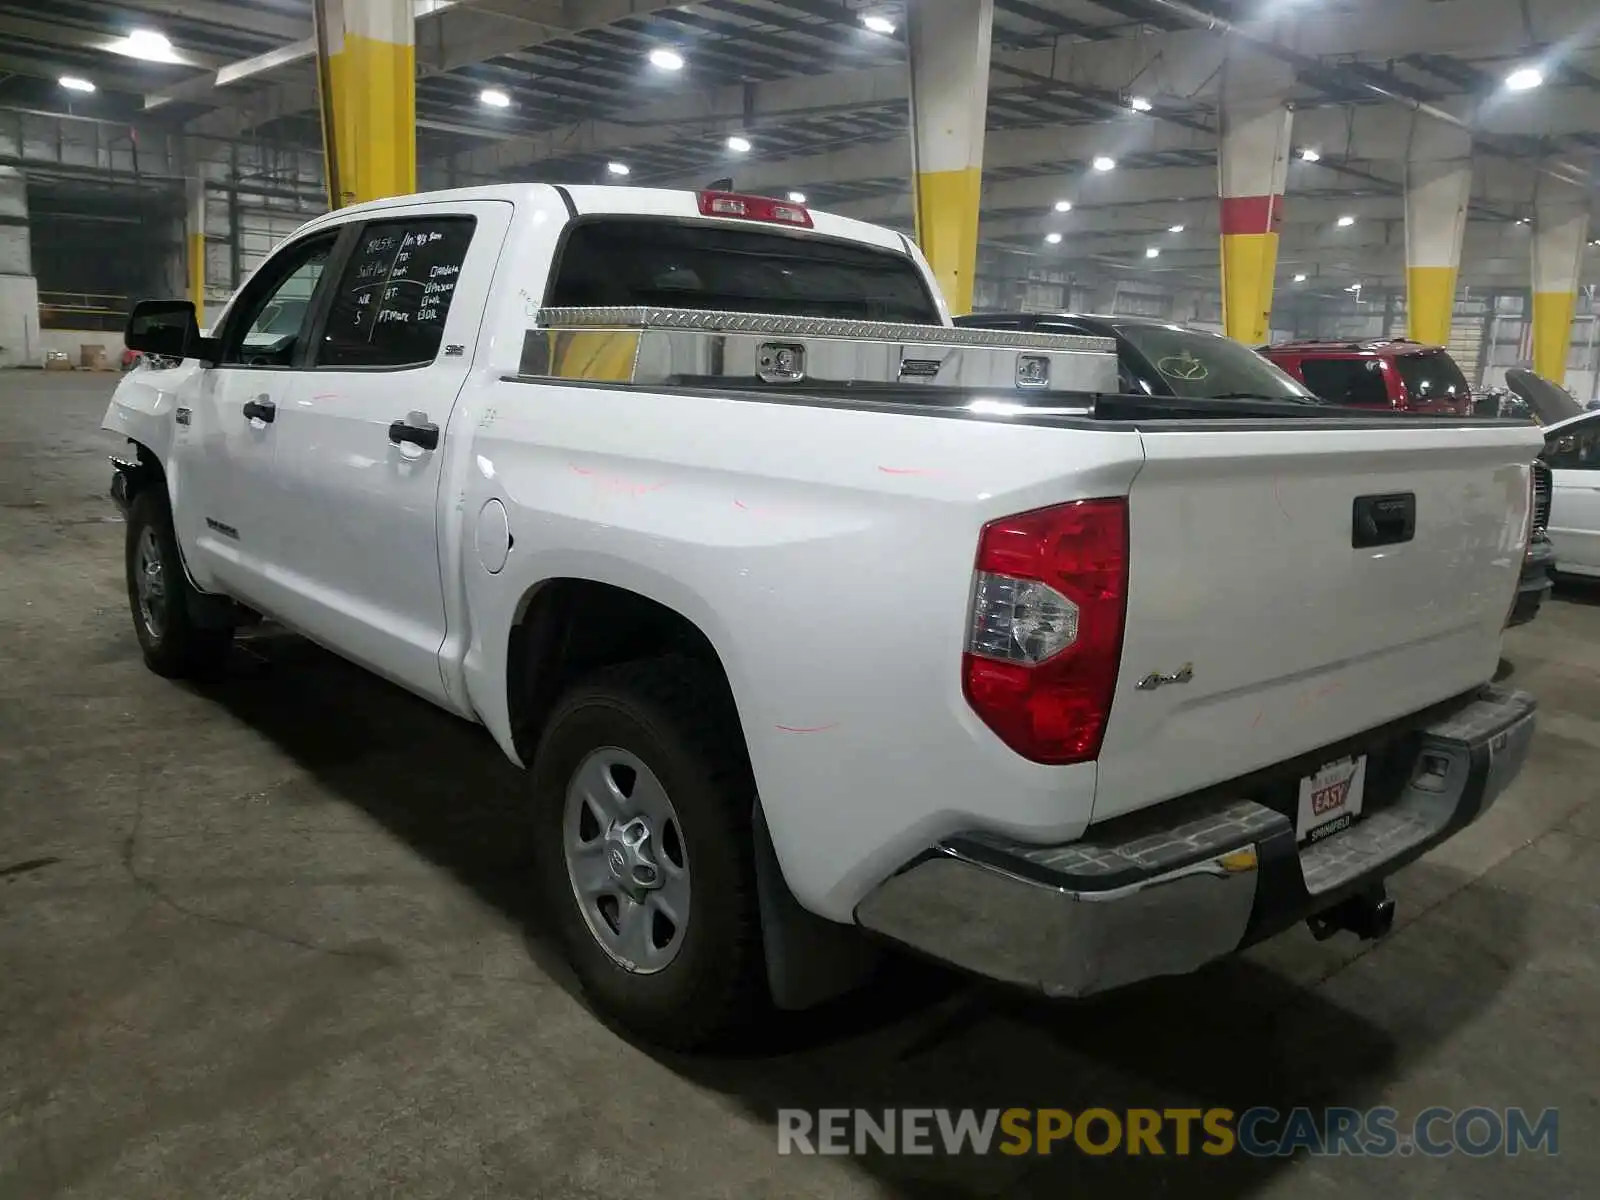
{"x":588,"y":199}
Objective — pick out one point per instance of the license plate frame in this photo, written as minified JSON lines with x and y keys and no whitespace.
{"x":1330,"y":799}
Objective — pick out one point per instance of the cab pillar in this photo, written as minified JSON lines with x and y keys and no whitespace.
{"x":366,"y":71}
{"x":1438,"y":185}
{"x":1561,"y":227}
{"x":194,"y":241}
{"x":948,"y":46}
{"x":1252,"y":171}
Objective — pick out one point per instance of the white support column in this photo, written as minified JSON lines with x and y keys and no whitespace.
{"x":1438,"y":185}
{"x":948,"y":46}
{"x":1561,"y":230}
{"x":1252,"y":172}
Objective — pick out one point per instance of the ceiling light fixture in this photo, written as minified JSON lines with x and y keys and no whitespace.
{"x":1153,"y":252}
{"x":665,"y":59}
{"x":797,"y":197}
{"x":1053,"y":238}
{"x":617,"y":168}
{"x":1310,"y":154}
{"x":1174,"y":228}
{"x":1524,"y":79}
{"x":146,"y":44}
{"x":1299,"y":278}
{"x":75,"y":84}
{"x":1063,"y":205}
{"x":878,"y":23}
{"x":494,"y":98}
{"x":1345,"y":222}
{"x":1140,"y":104}
{"x":739,"y":145}
{"x":1104,"y":162}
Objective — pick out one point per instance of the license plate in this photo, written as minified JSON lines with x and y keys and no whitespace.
{"x":1330,"y":798}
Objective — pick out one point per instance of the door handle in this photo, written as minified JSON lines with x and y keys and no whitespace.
{"x":415,"y":429}
{"x":260,"y":409}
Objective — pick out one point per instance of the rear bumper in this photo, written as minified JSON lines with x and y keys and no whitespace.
{"x":1164,"y":891}
{"x":1538,"y":568}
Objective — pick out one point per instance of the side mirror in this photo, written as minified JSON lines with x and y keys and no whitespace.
{"x":166,"y":329}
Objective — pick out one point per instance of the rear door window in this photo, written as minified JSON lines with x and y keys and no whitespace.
{"x":1432,"y":377}
{"x":1346,"y":380}
{"x":630,"y":261}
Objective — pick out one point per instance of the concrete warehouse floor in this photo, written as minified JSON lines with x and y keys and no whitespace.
{"x":276,"y":938}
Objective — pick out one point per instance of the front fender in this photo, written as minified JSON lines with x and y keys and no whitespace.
{"x":144,"y":407}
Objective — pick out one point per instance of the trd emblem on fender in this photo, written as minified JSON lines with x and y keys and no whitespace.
{"x":1156,"y":678}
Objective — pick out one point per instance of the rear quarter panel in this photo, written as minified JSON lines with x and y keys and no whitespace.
{"x":827,"y":555}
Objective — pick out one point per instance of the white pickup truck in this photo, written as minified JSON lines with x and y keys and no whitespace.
{"x":811,"y":614}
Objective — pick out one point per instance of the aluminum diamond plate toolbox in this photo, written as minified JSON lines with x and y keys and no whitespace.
{"x":666,"y":346}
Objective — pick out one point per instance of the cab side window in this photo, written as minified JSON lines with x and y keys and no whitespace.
{"x":393,"y":296}
{"x":268,"y":326}
{"x":1575,"y":450}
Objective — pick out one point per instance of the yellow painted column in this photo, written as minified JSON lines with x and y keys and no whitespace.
{"x":1560,"y":232}
{"x":948,"y":47}
{"x":194,"y":236}
{"x":1252,"y":173}
{"x":1438,"y":185}
{"x":369,"y":101}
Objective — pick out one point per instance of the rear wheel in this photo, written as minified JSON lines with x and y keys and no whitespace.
{"x":645,"y":802}
{"x":159,"y":595}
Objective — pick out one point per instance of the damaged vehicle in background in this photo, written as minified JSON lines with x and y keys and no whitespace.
{"x":1571,"y":463}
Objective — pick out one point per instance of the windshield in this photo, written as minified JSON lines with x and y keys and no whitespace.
{"x":631,"y":261}
{"x":1206,"y":366}
{"x":1432,"y":376}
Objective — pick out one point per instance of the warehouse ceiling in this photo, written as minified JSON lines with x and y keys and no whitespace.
{"x":820,"y":99}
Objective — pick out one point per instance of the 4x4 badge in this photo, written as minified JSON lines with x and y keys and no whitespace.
{"x":1156,"y":678}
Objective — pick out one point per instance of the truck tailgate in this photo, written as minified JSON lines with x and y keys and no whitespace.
{"x":1261,"y":630}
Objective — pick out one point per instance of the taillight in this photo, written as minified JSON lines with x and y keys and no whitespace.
{"x":1045,"y":628}
{"x":754,"y":208}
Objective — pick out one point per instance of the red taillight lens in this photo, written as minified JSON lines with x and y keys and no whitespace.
{"x":754,"y":208}
{"x":1045,"y":633}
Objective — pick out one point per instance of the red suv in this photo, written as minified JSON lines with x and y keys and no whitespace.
{"x":1392,"y":373}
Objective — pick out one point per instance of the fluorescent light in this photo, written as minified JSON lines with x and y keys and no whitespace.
{"x":494,"y":98}
{"x":1063,"y":205}
{"x":1153,"y":252}
{"x":1140,"y":104}
{"x":1104,"y":162}
{"x":1345,"y":222}
{"x":878,"y":24}
{"x":1522,"y":220}
{"x":1310,"y":154}
{"x":1523,"y":79}
{"x":1053,"y":238}
{"x":667,"y":60}
{"x":1299,"y":278}
{"x":74,"y":84}
{"x":146,"y":44}
{"x":797,"y":197}
{"x":617,"y":168}
{"x":739,"y":145}
{"x":1174,"y":228}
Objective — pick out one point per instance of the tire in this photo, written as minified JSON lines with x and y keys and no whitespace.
{"x":159,"y":595}
{"x":672,"y":718}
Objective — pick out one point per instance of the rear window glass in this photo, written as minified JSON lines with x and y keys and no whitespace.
{"x":1346,"y":380}
{"x":671,"y":264}
{"x":1432,"y":377}
{"x":1203,"y":366}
